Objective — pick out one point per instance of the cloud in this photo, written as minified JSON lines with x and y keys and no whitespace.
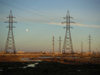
{"x":76,"y":24}
{"x":86,"y":25}
{"x":55,"y":23}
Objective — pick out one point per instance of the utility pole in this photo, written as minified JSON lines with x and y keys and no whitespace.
{"x":90,"y":44}
{"x":10,"y":42}
{"x":81,"y":48}
{"x":60,"y":51}
{"x":53,"y":44}
{"x":68,"y":46}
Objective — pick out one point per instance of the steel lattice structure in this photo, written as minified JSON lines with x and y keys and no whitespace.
{"x":67,"y":46}
{"x":60,"y":51}
{"x":89,"y":43}
{"x":10,"y":42}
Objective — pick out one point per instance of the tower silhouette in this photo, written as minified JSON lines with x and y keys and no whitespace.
{"x":67,"y":46}
{"x":53,"y":44}
{"x":10,"y":43}
{"x":60,"y":51}
{"x":89,"y":43}
{"x":81,"y":48}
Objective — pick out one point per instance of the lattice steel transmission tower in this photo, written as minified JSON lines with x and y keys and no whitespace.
{"x":67,"y":46}
{"x":60,"y":51}
{"x":10,"y":42}
{"x":89,"y":43}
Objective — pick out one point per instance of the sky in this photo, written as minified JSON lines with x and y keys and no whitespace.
{"x":39,"y":20}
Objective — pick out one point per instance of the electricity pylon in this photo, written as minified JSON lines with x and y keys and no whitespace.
{"x":90,"y":44}
{"x":10,"y":42}
{"x":60,"y":51}
{"x":68,"y":46}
